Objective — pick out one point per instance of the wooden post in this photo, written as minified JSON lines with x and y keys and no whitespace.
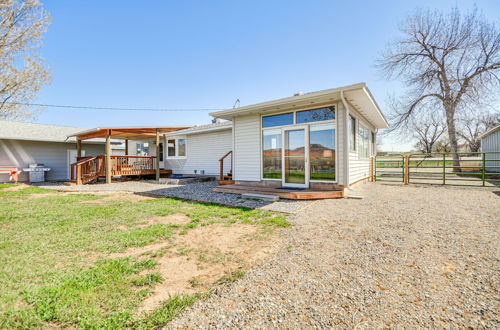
{"x":108,"y":159}
{"x":157,"y":155}
{"x":126,"y":147}
{"x":407,"y":170}
{"x":78,"y":149}
{"x":372,"y":169}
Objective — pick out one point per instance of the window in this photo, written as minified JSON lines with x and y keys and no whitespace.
{"x":271,"y":154}
{"x":374,"y":144}
{"x":315,"y":115}
{"x":322,"y":152}
{"x":142,"y":149}
{"x":176,"y":148}
{"x":277,"y":120}
{"x":160,"y":148}
{"x":352,"y":133}
{"x":364,"y":146}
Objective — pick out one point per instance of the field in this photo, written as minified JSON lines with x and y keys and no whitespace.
{"x":111,"y":261}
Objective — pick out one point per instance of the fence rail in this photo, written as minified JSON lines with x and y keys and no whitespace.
{"x":473,"y":169}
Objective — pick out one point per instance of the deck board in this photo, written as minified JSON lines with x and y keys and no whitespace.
{"x":283,"y":193}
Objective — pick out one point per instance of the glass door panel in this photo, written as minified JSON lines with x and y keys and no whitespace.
{"x":294,"y":157}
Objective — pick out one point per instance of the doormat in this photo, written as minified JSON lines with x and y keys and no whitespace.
{"x":292,"y":188}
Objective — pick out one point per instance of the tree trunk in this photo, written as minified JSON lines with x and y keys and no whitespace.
{"x":452,"y":135}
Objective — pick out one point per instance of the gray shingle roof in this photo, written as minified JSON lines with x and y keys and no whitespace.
{"x":204,"y":128}
{"x":17,"y":130}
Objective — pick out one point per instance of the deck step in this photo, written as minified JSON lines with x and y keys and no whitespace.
{"x":262,"y":197}
{"x":224,"y":182}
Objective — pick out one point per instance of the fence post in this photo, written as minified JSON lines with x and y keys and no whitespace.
{"x":444,"y":169}
{"x":406,"y":170}
{"x":483,"y":174}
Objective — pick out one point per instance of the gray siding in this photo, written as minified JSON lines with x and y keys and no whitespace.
{"x":203,"y":153}
{"x":21,"y":153}
{"x":491,"y":143}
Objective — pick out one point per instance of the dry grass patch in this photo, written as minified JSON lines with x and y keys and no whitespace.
{"x":205,"y":255}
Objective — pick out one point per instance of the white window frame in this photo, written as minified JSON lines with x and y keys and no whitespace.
{"x":294,"y":112}
{"x":176,"y":139}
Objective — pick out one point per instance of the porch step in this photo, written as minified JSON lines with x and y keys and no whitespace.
{"x":70,"y":183}
{"x":263,"y":197}
{"x":224,"y":182}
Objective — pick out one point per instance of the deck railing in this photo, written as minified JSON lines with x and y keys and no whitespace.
{"x":90,"y":168}
{"x":223,"y":177}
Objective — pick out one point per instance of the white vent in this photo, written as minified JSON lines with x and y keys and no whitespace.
{"x":298,"y":94}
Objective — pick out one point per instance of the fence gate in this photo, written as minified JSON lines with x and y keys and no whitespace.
{"x":389,"y":168}
{"x":478,"y":169}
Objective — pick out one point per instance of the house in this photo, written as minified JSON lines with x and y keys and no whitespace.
{"x":320,"y":141}
{"x":22,"y":144}
{"x":317,"y":141}
{"x":490,"y":143}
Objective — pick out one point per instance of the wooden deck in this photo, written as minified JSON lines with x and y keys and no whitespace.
{"x":282,"y":193}
{"x":87,"y":169}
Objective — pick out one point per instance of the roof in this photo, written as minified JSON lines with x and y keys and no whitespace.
{"x":204,"y":128}
{"x":491,"y":131}
{"x":125,"y":132}
{"x":358,"y":96}
{"x":17,"y":130}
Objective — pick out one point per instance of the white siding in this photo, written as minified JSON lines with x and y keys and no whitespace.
{"x":341,"y":144}
{"x":21,"y":153}
{"x":359,"y":168}
{"x":247,"y":148}
{"x":203,"y":153}
{"x":491,"y":143}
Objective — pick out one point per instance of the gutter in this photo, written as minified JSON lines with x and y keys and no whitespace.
{"x":346,"y":139}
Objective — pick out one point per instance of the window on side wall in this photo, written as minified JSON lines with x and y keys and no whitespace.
{"x":176,"y":148}
{"x":364,"y":142}
{"x":352,"y":133}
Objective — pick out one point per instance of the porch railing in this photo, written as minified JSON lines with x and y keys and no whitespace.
{"x":87,"y":169}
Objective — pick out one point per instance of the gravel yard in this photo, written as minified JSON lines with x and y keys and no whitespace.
{"x":402,"y":257}
{"x":201,"y":191}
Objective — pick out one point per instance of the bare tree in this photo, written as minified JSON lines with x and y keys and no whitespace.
{"x":471,"y":126}
{"x":443,"y":145}
{"x":448,"y":61}
{"x":427,"y":131}
{"x":22,"y":72}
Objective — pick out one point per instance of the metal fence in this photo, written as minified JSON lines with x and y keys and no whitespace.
{"x":471,"y":169}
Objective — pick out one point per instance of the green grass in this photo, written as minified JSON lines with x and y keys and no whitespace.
{"x":55,"y":265}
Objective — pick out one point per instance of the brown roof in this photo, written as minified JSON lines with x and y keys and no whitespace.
{"x":126,"y":132}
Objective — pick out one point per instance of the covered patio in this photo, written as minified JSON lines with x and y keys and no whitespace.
{"x":91,"y":168}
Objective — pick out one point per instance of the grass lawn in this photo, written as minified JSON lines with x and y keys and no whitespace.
{"x":58,"y":269}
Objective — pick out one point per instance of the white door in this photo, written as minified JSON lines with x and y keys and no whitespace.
{"x":72,"y":153}
{"x":295,"y":157}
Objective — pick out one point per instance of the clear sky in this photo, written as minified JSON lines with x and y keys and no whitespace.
{"x":207,"y":54}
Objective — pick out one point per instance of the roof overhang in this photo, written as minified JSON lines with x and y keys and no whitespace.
{"x":358,"y":96}
{"x":198,"y":130}
{"x":128,"y":133}
{"x":491,"y":131}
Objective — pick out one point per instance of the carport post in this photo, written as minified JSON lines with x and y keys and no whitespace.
{"x":157,"y":155}
{"x":108,"y":158}
{"x":78,"y":149}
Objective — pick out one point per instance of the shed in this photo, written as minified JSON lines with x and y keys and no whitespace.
{"x":490,"y":143}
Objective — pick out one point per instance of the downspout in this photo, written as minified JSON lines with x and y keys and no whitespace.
{"x":346,"y":140}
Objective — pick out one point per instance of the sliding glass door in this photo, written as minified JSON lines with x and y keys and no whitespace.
{"x":295,"y":157}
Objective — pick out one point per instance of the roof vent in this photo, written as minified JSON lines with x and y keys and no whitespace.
{"x":298,"y":94}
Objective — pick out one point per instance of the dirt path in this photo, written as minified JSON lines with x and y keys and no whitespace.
{"x":402,"y":257}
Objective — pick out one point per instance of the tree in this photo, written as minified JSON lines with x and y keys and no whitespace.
{"x":448,"y":61}
{"x":22,"y":72}
{"x":471,"y":126}
{"x":443,"y":145}
{"x":427,"y":131}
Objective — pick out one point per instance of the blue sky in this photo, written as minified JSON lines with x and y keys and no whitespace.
{"x":206,"y":54}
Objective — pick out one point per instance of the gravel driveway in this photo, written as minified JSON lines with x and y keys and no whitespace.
{"x":402,"y":257}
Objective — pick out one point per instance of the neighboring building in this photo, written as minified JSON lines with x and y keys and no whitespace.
{"x":22,"y":144}
{"x":490,"y":143}
{"x":321,"y":140}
